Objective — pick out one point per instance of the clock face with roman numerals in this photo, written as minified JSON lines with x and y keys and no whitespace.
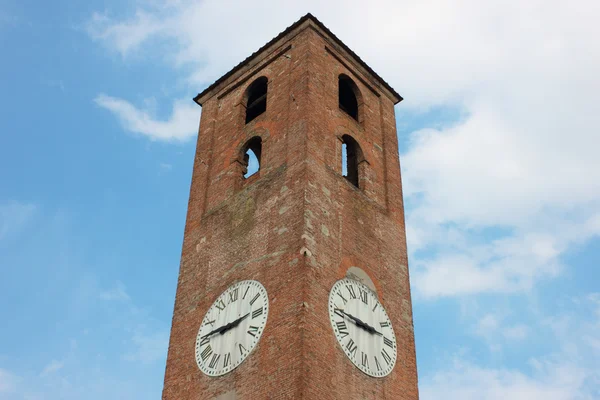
{"x":362,"y":327}
{"x":232,"y":327}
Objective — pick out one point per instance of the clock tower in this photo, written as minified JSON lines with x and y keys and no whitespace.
{"x":293,"y":281}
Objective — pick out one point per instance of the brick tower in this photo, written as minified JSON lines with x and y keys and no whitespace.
{"x":323,"y":210}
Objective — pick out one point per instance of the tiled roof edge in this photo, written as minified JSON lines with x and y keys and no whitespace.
{"x":308,"y":16}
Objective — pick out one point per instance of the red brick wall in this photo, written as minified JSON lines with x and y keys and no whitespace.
{"x":296,"y":226}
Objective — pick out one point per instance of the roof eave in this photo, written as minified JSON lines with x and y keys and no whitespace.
{"x":198,"y":99}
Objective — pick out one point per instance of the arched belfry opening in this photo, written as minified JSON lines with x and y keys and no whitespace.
{"x":251,"y":153}
{"x":256,"y":98}
{"x":349,"y":96}
{"x":351,"y":157}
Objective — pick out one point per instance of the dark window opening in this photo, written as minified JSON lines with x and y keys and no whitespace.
{"x":257,"y":99}
{"x":351,"y":157}
{"x":347,"y":96}
{"x":251,"y":157}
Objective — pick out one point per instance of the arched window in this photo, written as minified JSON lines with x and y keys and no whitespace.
{"x":256,"y":96}
{"x":348,"y":96}
{"x":351,"y":158}
{"x":251,"y":156}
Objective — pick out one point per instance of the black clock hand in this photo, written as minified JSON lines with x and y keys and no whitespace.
{"x":225,"y":328}
{"x":372,"y":329}
{"x":233,"y":324}
{"x":219,"y":329}
{"x":360,"y":323}
{"x":357,"y":321}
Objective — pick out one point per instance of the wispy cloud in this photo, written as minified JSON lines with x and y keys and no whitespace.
{"x":148,"y":339}
{"x":8,"y":19}
{"x":124,"y":36}
{"x":148,"y":348}
{"x":51,"y":368}
{"x":468,"y":381}
{"x":498,"y":332}
{"x":14,"y":216}
{"x":180,"y":126}
{"x":506,"y":164}
{"x":90,"y":368}
{"x":458,"y":262}
{"x":165,"y":167}
{"x":56,"y":83}
{"x":8,"y":381}
{"x":117,"y":293}
{"x":569,"y":372}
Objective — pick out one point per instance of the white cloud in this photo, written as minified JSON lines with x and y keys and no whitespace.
{"x":14,"y":216}
{"x":114,"y":359}
{"x":124,"y":36}
{"x":118,"y":293}
{"x":497,"y":332}
{"x":8,"y":381}
{"x":496,"y":198}
{"x":569,"y":372}
{"x":180,"y":126}
{"x":148,"y":347}
{"x":148,"y":339}
{"x":8,"y":19}
{"x":489,"y":323}
{"x":579,"y":329}
{"x":510,"y":264}
{"x":523,"y":74}
{"x":165,"y":166}
{"x":51,"y":368}
{"x":516,"y":332}
{"x":56,"y":83}
{"x":468,"y":381}
{"x":432,"y":51}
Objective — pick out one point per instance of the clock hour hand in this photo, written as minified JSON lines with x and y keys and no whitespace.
{"x":218,"y":330}
{"x":360,"y":323}
{"x":233,"y":324}
{"x":226,"y":327}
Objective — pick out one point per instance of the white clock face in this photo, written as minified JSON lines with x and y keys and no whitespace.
{"x":232,"y":327}
{"x":362,"y":327}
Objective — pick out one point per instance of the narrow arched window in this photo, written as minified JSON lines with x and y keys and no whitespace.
{"x":351,"y":158}
{"x":256,"y":98}
{"x":348,"y":92}
{"x":251,"y":156}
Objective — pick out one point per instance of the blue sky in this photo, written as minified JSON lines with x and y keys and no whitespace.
{"x":498,"y":140}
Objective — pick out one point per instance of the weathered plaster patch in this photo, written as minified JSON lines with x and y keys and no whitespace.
{"x":283,"y":209}
{"x":305,"y":252}
{"x":308,"y":238}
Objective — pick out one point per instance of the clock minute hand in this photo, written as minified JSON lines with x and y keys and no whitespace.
{"x":226,"y":327}
{"x":360,"y":323}
{"x":219,"y":329}
{"x":233,"y":324}
{"x":353,"y":318}
{"x":371,"y":329}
